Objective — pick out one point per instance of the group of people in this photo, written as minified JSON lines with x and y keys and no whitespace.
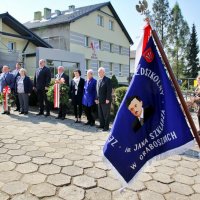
{"x":20,"y":86}
{"x":91,"y":95}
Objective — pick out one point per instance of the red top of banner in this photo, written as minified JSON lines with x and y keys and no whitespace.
{"x":147,"y":34}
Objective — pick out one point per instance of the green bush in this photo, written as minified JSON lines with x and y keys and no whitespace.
{"x":119,"y":95}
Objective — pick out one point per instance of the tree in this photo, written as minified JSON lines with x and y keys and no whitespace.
{"x":192,"y":54}
{"x":114,"y":81}
{"x":178,"y":35}
{"x":161,"y":19}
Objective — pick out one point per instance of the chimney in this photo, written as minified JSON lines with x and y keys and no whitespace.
{"x":38,"y":15}
{"x":71,"y":8}
{"x":58,"y":12}
{"x":47,"y":13}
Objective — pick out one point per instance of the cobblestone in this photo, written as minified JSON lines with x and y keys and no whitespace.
{"x":48,"y":159}
{"x":15,"y":187}
{"x":43,"y":190}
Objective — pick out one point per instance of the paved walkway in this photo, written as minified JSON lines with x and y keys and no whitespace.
{"x":44,"y":158}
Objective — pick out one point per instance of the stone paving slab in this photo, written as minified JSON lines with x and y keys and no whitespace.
{"x":48,"y":159}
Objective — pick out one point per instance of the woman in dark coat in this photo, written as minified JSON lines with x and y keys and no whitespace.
{"x":24,"y":88}
{"x":89,"y":97}
{"x":76,"y":94}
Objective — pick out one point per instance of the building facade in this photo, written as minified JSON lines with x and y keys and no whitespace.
{"x":132,"y":61}
{"x":94,"y":31}
{"x":18,"y":44}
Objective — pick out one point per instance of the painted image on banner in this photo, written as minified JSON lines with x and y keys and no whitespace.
{"x":135,"y":106}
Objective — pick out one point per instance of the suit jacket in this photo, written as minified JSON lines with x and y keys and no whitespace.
{"x":104,"y":90}
{"x":6,"y":79}
{"x":89,"y":94}
{"x":147,"y":114}
{"x":42,"y":78}
{"x":28,"y":85}
{"x":66,"y":78}
{"x":77,"y":99}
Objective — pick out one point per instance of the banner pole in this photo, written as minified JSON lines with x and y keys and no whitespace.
{"x":178,"y":90}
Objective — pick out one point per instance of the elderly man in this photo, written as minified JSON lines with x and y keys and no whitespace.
{"x":104,"y":98}
{"x":42,"y":80}
{"x":6,"y":79}
{"x":89,"y":96}
{"x":16,"y":74}
{"x":62,"y":78}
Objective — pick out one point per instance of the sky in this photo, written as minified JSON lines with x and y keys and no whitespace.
{"x":23,"y":11}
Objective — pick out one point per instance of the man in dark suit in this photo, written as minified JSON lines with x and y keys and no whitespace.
{"x":42,"y":80}
{"x":104,"y":98}
{"x":6,"y":79}
{"x":16,"y":74}
{"x":135,"y":106}
{"x":62,"y":78}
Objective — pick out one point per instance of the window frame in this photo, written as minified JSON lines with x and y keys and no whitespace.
{"x":13,"y":45}
{"x":120,"y":69}
{"x":100,"y":20}
{"x":86,"y":42}
{"x":111,"y":25}
{"x":111,"y":69}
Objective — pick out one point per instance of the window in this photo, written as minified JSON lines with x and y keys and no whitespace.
{"x":120,"y":50}
{"x":100,"y":45}
{"x":11,"y":46}
{"x":86,"y":41}
{"x":111,"y":69}
{"x":99,"y":64}
{"x":87,"y":65}
{"x":100,"y":20}
{"x":111,"y":25}
{"x":120,"y":70}
{"x":110,"y":47}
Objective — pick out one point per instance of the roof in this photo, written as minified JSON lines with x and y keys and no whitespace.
{"x":22,"y":30}
{"x":68,"y":17}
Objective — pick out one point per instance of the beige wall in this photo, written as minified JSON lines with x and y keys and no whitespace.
{"x":29,"y":62}
{"x":20,"y":43}
{"x":88,"y":26}
{"x":101,"y":55}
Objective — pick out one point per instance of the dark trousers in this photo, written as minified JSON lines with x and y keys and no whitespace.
{"x":23,"y":100}
{"x":78,"y":110}
{"x":42,"y":98}
{"x":90,"y":112}
{"x":62,"y":111}
{"x":104,"y":114}
{"x":17,"y":101}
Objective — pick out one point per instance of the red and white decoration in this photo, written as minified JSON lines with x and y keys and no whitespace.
{"x":56,"y":95}
{"x":6,"y":92}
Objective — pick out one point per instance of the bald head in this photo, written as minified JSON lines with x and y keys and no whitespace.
{"x":42,"y":63}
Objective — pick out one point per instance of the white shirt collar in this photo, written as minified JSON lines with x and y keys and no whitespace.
{"x":142,"y":114}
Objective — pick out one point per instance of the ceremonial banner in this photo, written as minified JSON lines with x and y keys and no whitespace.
{"x":56,"y":95}
{"x":142,"y":43}
{"x":150,"y":123}
{"x":6,"y":92}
